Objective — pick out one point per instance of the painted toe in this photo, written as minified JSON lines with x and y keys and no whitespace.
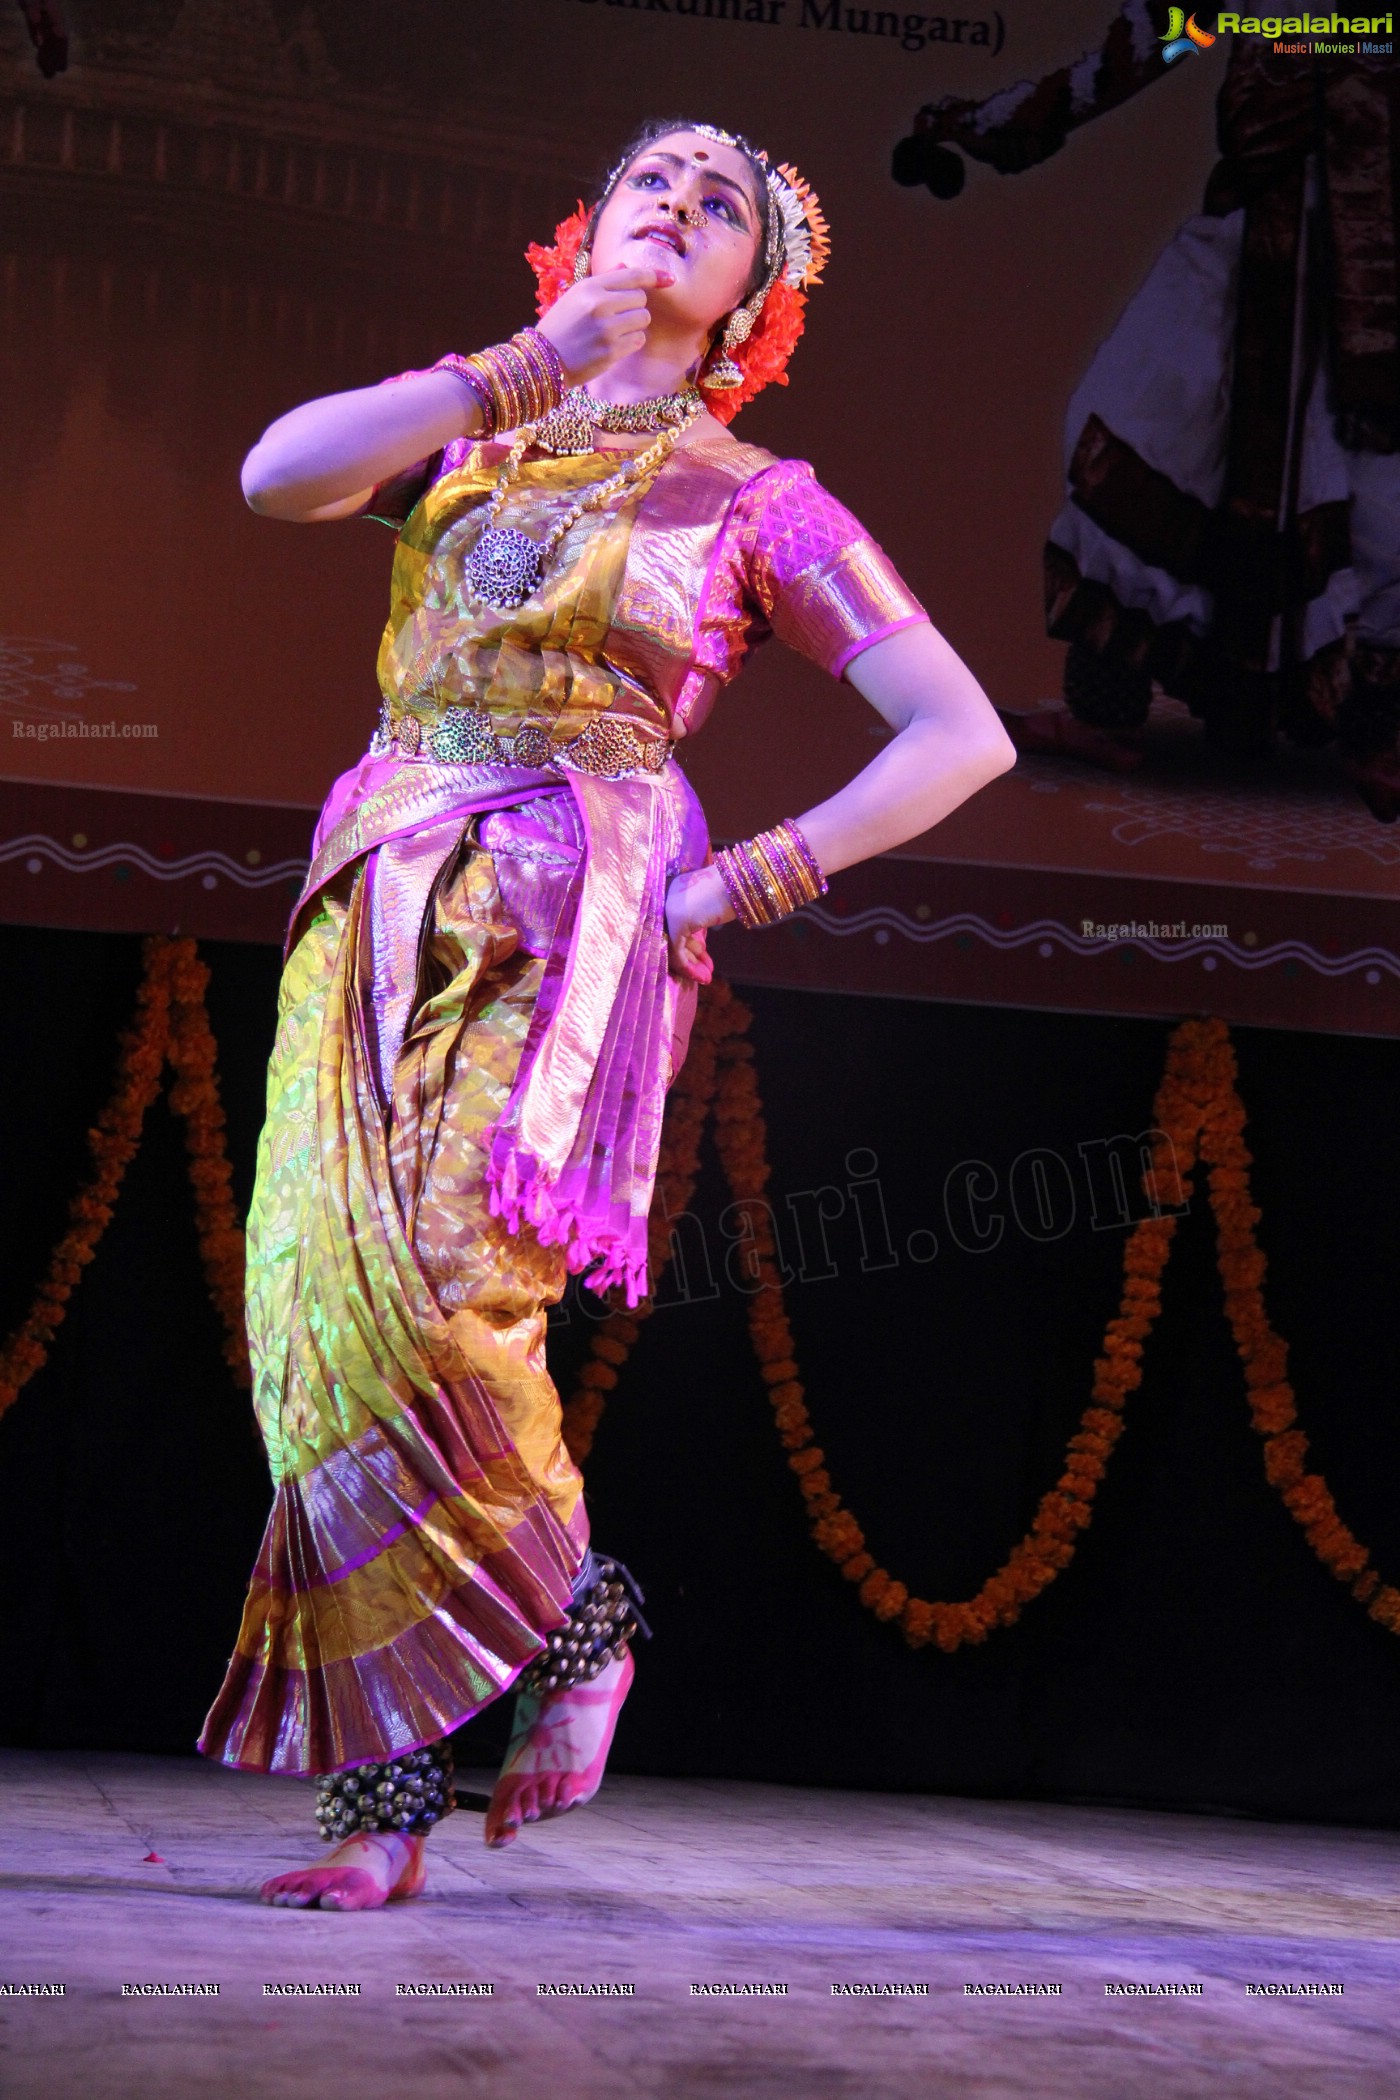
{"x":353,"y":1889}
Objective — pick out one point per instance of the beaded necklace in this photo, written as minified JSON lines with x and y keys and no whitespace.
{"x":507,"y":566}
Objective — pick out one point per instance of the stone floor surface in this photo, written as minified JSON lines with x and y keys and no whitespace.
{"x":664,"y":1885}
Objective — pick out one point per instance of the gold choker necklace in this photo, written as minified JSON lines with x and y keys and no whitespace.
{"x":569,"y":428}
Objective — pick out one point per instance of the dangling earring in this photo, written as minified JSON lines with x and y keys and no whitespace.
{"x":583,"y":262}
{"x":724,"y":375}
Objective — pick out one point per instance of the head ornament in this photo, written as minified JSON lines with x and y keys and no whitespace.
{"x":799,"y":240}
{"x":759,"y":337}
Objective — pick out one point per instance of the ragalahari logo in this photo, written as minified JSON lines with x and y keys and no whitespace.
{"x":1183,"y":35}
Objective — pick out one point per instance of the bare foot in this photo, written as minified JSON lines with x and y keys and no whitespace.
{"x":558,"y":1750}
{"x":1056,"y":731}
{"x":377,"y":1867}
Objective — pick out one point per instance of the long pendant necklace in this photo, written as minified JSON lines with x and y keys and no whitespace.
{"x":507,"y":566}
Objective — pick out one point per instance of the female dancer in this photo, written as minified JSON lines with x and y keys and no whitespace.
{"x":493,"y":964}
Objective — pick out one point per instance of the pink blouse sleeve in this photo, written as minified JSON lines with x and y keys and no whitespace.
{"x":821,"y":582}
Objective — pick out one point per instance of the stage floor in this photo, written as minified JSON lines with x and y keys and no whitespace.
{"x":664,"y":1885}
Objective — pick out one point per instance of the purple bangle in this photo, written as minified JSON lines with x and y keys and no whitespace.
{"x":551,"y":357}
{"x":731,"y":889}
{"x":789,"y":829}
{"x":476,"y":386}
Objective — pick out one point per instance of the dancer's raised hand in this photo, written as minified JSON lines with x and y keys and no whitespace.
{"x":602,"y":319}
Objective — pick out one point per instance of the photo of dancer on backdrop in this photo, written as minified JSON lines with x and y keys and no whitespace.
{"x":1231,"y":529}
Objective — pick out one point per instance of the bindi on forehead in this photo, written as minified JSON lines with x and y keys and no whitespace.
{"x":673,"y":159}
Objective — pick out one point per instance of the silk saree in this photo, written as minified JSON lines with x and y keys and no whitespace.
{"x":476,"y":1029}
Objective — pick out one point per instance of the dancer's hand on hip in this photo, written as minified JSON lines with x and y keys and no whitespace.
{"x":695,"y":901}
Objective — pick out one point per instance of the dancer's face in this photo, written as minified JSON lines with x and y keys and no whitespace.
{"x":687,"y":205}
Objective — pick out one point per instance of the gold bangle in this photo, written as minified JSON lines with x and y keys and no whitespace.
{"x":779,"y":882}
{"x":768,"y":877}
{"x":524,"y":378}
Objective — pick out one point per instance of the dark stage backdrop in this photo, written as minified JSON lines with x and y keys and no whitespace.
{"x":1194,"y":1655}
{"x":225,"y":206}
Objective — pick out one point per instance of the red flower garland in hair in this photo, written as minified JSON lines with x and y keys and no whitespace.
{"x":554,"y":267}
{"x":762,"y":359}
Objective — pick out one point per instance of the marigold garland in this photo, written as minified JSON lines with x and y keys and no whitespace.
{"x":1199,"y":1118}
{"x":113,"y":1142}
{"x":1272,"y":1403}
{"x":171,"y":1022}
{"x":194,"y":1095}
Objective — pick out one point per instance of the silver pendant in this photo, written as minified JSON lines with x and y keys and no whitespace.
{"x":505,"y":567}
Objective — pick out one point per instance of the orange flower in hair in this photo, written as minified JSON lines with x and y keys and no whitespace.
{"x":554,"y":267}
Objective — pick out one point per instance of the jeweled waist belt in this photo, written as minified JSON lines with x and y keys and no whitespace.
{"x":463,"y":736}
